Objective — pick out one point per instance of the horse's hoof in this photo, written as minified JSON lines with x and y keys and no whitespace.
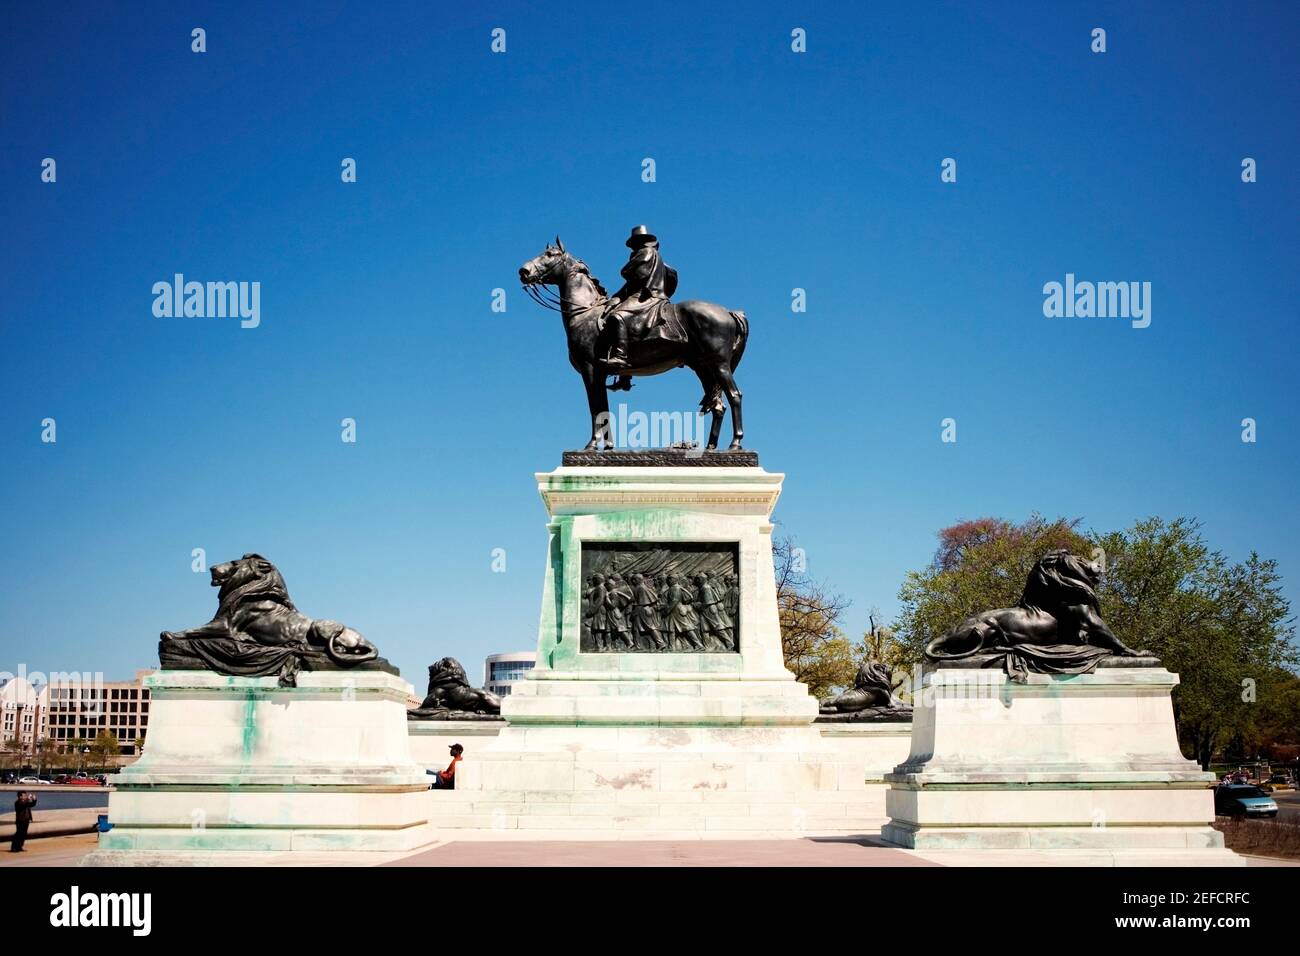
{"x":734,"y":446}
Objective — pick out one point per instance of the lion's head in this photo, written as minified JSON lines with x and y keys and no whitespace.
{"x":1060,"y":579}
{"x":251,"y":574}
{"x":447,"y":673}
{"x":873,"y":675}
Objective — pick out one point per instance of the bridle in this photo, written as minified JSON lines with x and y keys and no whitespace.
{"x":547,"y":299}
{"x":542,"y":296}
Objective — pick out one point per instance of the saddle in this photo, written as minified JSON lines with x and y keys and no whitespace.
{"x":652,"y":319}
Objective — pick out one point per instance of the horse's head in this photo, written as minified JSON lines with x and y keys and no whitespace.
{"x":548,"y":268}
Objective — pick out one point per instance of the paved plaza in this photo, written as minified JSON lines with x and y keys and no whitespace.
{"x":864,"y":852}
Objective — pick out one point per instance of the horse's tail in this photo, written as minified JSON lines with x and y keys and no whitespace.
{"x":742,"y":336}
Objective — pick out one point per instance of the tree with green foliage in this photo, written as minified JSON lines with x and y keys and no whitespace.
{"x":11,"y":757}
{"x":75,"y":748}
{"x":1224,"y":628}
{"x":104,"y":749}
{"x":45,"y":749}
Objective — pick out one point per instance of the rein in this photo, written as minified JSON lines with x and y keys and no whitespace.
{"x":543,"y":296}
{"x":547,"y":300}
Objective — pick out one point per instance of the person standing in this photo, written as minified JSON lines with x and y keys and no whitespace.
{"x":22,"y":819}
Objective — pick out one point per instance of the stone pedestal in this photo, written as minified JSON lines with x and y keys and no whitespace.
{"x":864,"y":752}
{"x":1087,"y":765}
{"x":657,"y":744}
{"x":867,"y":751}
{"x":243,"y":766}
{"x":431,"y":739}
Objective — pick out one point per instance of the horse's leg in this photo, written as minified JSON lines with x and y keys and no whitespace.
{"x":715,"y":429}
{"x":733,"y":399}
{"x":710,"y":389}
{"x":598,"y":403}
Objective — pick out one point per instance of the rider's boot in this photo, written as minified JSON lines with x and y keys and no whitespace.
{"x":618,"y":354}
{"x":624,"y":384}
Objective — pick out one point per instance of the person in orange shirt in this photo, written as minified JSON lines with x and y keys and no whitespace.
{"x":446,"y":779}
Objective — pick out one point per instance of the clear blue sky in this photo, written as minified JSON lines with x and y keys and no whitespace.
{"x":775,"y":171}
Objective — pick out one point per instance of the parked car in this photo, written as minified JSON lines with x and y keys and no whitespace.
{"x":83,"y":782}
{"x":31,"y":781}
{"x":1279,"y":781}
{"x":1243,"y":800}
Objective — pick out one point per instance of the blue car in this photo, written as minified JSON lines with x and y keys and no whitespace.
{"x":1243,"y":800}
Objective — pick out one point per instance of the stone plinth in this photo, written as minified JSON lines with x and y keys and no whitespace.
{"x":1086,"y":763}
{"x":864,"y":752}
{"x":239,"y":764}
{"x":873,"y":747}
{"x":431,"y":739}
{"x":657,"y":744}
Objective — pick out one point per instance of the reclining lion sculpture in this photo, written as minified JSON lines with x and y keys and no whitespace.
{"x":257,"y":631}
{"x":871,"y":691}
{"x":450,"y":694}
{"x":1056,"y":628}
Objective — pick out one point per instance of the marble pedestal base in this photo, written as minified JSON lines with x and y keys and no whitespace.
{"x":666,"y":783}
{"x":862,"y":753}
{"x":661,"y":745}
{"x":431,"y":739}
{"x":1084,"y":763}
{"x":676,"y":755}
{"x":238,"y":765}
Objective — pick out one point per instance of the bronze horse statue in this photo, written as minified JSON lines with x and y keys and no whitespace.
{"x":711,"y":342}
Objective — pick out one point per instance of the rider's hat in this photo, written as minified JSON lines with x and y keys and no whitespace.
{"x":641,"y":236}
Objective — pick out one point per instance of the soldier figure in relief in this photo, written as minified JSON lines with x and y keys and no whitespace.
{"x":645,"y":617}
{"x":599,"y":620}
{"x":713,"y":616}
{"x":618,"y":599}
{"x":682,"y":621}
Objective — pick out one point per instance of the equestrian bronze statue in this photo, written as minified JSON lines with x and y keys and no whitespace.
{"x":639,"y":331}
